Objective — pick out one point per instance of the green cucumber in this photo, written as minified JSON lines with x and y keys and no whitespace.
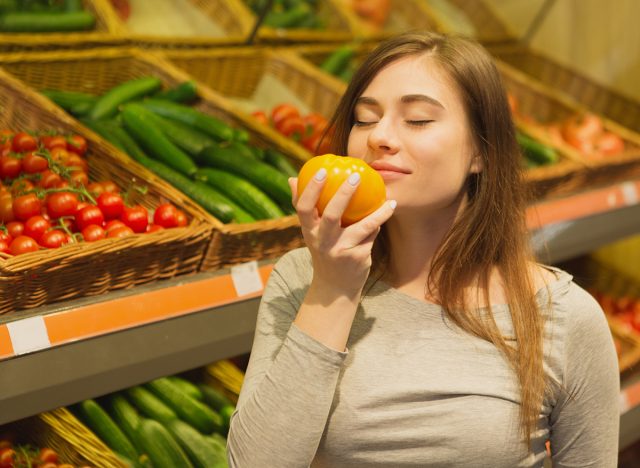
{"x":72,"y":5}
{"x":280,"y":162}
{"x":218,"y":444}
{"x":140,"y":123}
{"x":73,"y":102}
{"x":262,"y":175}
{"x":26,"y":22}
{"x":108,"y":103}
{"x":219,"y":402}
{"x":244,"y":193}
{"x":183,"y":136}
{"x":183,"y":93}
{"x":102,"y":128}
{"x":106,"y":429}
{"x":126,"y":417}
{"x":338,"y":61}
{"x":205,"y":123}
{"x":240,"y":135}
{"x":537,"y":152}
{"x":150,"y":405}
{"x":201,"y":453}
{"x":191,"y":411}
{"x":290,"y":18}
{"x":209,"y":199}
{"x":162,"y":448}
{"x":187,"y":387}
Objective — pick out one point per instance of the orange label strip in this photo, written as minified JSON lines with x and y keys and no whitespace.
{"x":6,"y":348}
{"x":583,"y":205}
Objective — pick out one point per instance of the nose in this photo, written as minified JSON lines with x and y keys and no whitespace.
{"x":383,"y":138}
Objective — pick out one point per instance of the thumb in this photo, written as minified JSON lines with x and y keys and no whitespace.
{"x":293,"y":185}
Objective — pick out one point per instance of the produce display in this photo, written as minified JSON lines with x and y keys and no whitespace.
{"x":289,"y":13}
{"x":341,"y":63}
{"x":44,"y":16}
{"x":13,"y":455}
{"x":168,"y":422}
{"x":309,"y":130}
{"x":209,"y":161}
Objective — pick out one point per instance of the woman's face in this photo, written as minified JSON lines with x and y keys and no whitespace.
{"x":410,"y":125}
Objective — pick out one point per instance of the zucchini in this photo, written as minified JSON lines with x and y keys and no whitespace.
{"x":187,"y":387}
{"x":183,"y":136}
{"x":73,"y":102}
{"x":162,"y":448}
{"x":140,"y":123}
{"x":219,"y":444}
{"x":183,"y":93}
{"x":268,"y":179}
{"x":201,"y":453}
{"x":191,"y":411}
{"x":218,"y":402}
{"x":126,"y":418}
{"x":535,"y":151}
{"x":209,"y":199}
{"x":47,"y":22}
{"x":280,"y":162}
{"x":338,"y":61}
{"x":244,"y":193}
{"x":107,"y":105}
{"x":99,"y":422}
{"x":205,"y":123}
{"x":149,"y":405}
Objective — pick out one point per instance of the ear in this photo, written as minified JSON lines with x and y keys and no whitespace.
{"x":477,"y":164}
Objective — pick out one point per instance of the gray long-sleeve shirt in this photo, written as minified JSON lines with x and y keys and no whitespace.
{"x":413,"y":390}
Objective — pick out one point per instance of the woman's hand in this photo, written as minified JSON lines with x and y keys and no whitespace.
{"x":341,"y":256}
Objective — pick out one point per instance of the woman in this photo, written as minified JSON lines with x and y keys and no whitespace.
{"x":425,"y":334}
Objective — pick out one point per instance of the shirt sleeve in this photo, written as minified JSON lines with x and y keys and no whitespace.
{"x":288,"y":387}
{"x":586,"y":418}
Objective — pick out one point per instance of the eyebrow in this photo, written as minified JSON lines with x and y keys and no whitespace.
{"x":407,"y":99}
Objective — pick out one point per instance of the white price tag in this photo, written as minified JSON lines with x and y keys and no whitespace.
{"x":624,"y":403}
{"x":246,"y":278}
{"x":629,"y":193}
{"x":28,"y":335}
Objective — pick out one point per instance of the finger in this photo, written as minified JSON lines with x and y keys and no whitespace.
{"x":307,"y":200}
{"x":340,"y":200}
{"x":359,"y":232}
{"x":293,"y":185}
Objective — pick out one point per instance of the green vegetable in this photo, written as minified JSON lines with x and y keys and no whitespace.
{"x":107,"y":105}
{"x":185,"y":92}
{"x":291,"y":18}
{"x":161,"y":447}
{"x":126,"y":418}
{"x":141,"y":124}
{"x":183,"y":136}
{"x":187,"y":387}
{"x":209,"y":125}
{"x":150,"y":405}
{"x":201,"y":453}
{"x":17,"y":22}
{"x":245,"y":194}
{"x":535,"y":151}
{"x":219,"y":402}
{"x":73,"y":102}
{"x":280,"y":162}
{"x":339,"y":60}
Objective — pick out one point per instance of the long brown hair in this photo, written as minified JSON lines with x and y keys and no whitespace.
{"x":491,"y":233}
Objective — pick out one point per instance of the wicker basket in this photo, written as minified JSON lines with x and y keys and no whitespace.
{"x":83,"y":269}
{"x":546,"y":105}
{"x":107,"y":31}
{"x":230,"y":16}
{"x":98,"y":70}
{"x":62,"y":432}
{"x":587,"y":91}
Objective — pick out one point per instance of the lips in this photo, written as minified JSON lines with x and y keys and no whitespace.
{"x":381,"y":166}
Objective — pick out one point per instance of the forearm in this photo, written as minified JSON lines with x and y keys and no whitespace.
{"x":283,"y":418}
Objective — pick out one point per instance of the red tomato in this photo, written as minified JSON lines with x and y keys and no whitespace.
{"x":62,"y":204}
{"x":110,"y":186}
{"x":15,"y":228}
{"x":36,"y":226}
{"x":53,"y":141}
{"x":48,"y":455}
{"x":292,"y":127}
{"x":76,"y":162}
{"x":369,"y":196}
{"x":111,"y":205}
{"x":49,"y":179}
{"x":153,"y":228}
{"x":609,"y":144}
{"x":182,"y":218}
{"x":7,"y":458}
{"x":136,"y":217}
{"x":4,"y":246}
{"x":315,"y":123}
{"x":6,"y":237}
{"x":282,"y":112}
{"x":32,"y":163}
{"x":53,"y":239}
{"x":79,"y":178}
{"x":93,"y":232}
{"x":10,"y":167}
{"x":95,"y":188}
{"x":77,"y":144}
{"x":20,"y":186}
{"x":26,"y":206}
{"x":316,"y":144}
{"x":166,"y":215}
{"x":59,"y":154}
{"x":23,"y":142}
{"x":261,"y":117}
{"x":23,"y":244}
{"x":120,"y":231}
{"x":6,"y":208}
{"x":88,"y":215}
{"x":48,"y":465}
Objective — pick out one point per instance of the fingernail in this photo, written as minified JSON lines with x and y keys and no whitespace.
{"x":354,"y":178}
{"x":393,"y":204}
{"x":321,"y":174}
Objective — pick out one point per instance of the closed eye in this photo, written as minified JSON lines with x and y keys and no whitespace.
{"x":362,"y":123}
{"x":419,"y":123}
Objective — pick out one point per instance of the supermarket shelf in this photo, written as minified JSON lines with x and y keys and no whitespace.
{"x":630,"y":410}
{"x":130,"y":337}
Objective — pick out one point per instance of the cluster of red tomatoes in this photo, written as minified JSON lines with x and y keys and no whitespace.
{"x":46,"y":200}
{"x":14,"y":456}
{"x":309,"y":130}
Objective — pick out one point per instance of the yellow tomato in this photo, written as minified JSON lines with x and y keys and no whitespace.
{"x":370,"y":195}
